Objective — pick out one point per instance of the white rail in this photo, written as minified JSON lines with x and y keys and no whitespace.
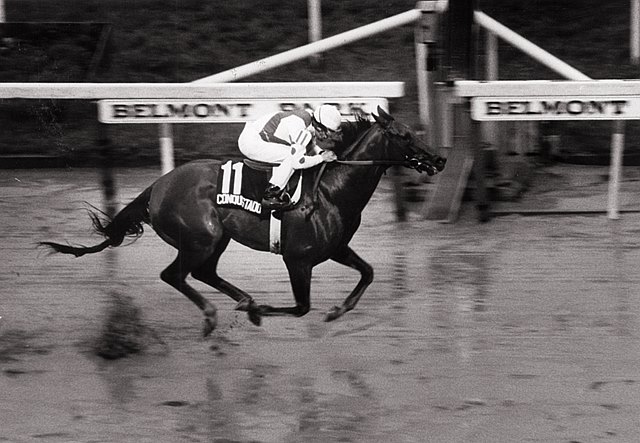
{"x":310,"y":49}
{"x":246,"y":91}
{"x":516,"y":88}
{"x":531,"y":49}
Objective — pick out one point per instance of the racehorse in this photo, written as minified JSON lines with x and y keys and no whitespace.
{"x":180,"y":206}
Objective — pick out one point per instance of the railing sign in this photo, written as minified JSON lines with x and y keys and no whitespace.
{"x":222,"y":111}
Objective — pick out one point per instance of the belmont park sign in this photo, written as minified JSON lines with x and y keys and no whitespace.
{"x":221,"y":111}
{"x":555,"y":108}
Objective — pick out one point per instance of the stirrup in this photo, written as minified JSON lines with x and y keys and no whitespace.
{"x":277,"y":202}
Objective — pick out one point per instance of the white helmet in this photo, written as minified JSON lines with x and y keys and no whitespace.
{"x":328,"y":116}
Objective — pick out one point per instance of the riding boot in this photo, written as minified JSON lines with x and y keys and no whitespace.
{"x":275,"y":198}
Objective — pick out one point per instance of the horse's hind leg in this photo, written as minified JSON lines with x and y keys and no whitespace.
{"x":347,"y":257}
{"x":207,"y":273}
{"x":175,"y":275}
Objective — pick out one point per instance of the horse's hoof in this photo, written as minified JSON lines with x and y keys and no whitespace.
{"x":246,"y":304}
{"x":255,"y":317}
{"x":334,"y":313}
{"x":208,"y":325}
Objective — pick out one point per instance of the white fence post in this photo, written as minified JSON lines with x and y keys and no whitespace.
{"x":314,"y":13}
{"x":634,"y":32}
{"x":425,"y":37}
{"x":490,"y":129}
{"x":615,"y":170}
{"x":491,"y":50}
{"x":166,"y":147}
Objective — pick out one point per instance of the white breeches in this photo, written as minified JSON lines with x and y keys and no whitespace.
{"x":289,"y":157}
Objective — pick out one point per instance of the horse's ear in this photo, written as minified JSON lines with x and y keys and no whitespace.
{"x":379,"y":120}
{"x":383,"y":119}
{"x":382,"y":113}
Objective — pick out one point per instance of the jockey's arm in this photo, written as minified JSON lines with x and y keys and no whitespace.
{"x":308,"y":161}
{"x":302,"y":142}
{"x":316,"y":149}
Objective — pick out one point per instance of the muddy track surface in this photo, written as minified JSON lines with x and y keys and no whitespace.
{"x":521,"y":329}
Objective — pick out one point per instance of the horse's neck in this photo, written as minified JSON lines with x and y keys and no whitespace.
{"x":352,"y":186}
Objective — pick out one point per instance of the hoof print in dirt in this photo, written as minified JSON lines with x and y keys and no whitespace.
{"x":123,"y":333}
{"x":175,"y":403}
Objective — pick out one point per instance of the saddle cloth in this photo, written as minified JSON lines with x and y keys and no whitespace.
{"x":242,"y":184}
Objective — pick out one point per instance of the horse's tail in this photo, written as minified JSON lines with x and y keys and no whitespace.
{"x":127,"y":223}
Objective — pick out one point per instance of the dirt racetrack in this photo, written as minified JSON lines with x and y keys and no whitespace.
{"x":521,"y":329}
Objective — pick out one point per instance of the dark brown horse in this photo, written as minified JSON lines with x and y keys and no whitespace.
{"x":180,"y":207}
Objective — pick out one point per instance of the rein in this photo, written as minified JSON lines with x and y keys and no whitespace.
{"x":372,"y":162}
{"x":317,"y":183}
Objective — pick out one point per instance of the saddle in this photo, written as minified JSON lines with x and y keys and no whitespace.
{"x":258,"y":165}
{"x":241,"y":184}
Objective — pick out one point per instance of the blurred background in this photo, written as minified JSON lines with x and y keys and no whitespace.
{"x":181,"y":41}
{"x":522,"y":329}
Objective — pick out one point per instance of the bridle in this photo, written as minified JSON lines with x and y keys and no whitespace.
{"x":415,"y":161}
{"x":410,"y":161}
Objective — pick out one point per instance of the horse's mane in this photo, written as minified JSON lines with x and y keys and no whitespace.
{"x":351,"y":132}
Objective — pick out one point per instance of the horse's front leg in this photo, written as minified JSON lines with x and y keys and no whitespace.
{"x":347,"y":257}
{"x":300,"y":276}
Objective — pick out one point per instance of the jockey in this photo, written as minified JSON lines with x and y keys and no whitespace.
{"x":290,"y":139}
